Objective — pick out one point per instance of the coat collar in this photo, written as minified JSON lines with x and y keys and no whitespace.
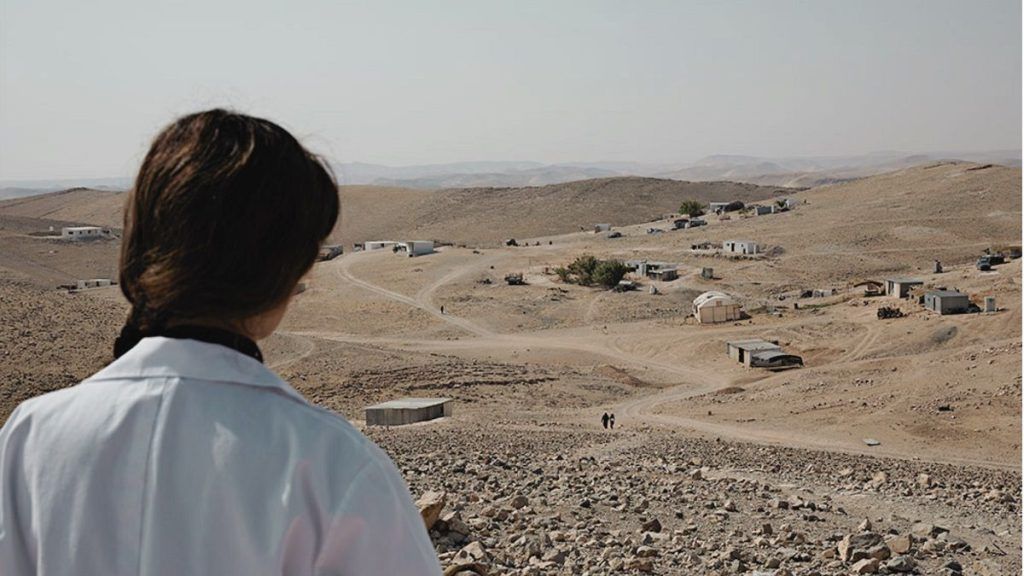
{"x":160,"y":357}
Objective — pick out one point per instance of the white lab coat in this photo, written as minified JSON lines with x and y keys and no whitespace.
{"x":188,"y":458}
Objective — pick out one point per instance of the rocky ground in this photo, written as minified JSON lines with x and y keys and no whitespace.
{"x":522,"y":481}
{"x":555,"y":500}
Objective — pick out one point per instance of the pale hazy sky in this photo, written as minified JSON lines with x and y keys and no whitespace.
{"x":85,"y":85}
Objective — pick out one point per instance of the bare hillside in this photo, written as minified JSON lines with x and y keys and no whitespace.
{"x":459,"y":215}
{"x":755,"y":469}
{"x":489,"y":215}
{"x":75,"y":205}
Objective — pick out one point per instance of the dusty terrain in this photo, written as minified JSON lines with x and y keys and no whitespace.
{"x":743,"y":470}
{"x":478,"y":216}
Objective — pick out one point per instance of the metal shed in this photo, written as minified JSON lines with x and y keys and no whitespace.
{"x":664,"y":274}
{"x":408,"y":411}
{"x":947,"y":302}
{"x":774,"y":359}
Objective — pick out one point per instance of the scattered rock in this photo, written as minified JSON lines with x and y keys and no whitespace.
{"x":430,"y":505}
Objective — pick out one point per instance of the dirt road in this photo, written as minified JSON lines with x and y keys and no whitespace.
{"x":637,"y":411}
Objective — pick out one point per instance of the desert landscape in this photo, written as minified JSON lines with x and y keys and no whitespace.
{"x":894,"y":449}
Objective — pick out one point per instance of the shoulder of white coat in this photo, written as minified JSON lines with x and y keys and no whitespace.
{"x":344,"y":429}
{"x":44,"y":403}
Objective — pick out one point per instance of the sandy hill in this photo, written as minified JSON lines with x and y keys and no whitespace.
{"x":77,"y":205}
{"x":890,"y":223}
{"x":490,"y":215}
{"x":459,"y":215}
{"x":531,"y":368}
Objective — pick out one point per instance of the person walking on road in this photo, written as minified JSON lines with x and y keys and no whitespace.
{"x":604,"y":420}
{"x":611,"y":421}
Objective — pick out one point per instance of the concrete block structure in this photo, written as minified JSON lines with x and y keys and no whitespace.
{"x":900,"y":287}
{"x":664,"y":274}
{"x":408,"y":411}
{"x":947,"y":302}
{"x":94,"y":283}
{"x":378,"y":245}
{"x":598,"y":228}
{"x":83,"y":232}
{"x":416,"y":247}
{"x":740,"y":247}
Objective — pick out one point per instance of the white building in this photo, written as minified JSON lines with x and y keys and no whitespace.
{"x":94,"y":283}
{"x":740,"y":247}
{"x":598,"y":228}
{"x":711,"y":307}
{"x":378,"y":245}
{"x":416,"y":247}
{"x":83,"y":232}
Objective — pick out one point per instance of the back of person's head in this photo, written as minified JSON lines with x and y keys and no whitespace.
{"x":227,"y":214}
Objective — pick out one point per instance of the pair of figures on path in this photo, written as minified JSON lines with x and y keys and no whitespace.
{"x":608,"y":421}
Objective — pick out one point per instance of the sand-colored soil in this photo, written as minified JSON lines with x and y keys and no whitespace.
{"x":541,"y":362}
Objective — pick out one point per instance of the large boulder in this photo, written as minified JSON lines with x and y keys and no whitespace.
{"x":430,"y":505}
{"x":855,"y":547}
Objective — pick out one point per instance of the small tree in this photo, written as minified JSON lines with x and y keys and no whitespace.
{"x":609,"y":272}
{"x":692,"y":208}
{"x":588,"y":271}
{"x":583,"y":268}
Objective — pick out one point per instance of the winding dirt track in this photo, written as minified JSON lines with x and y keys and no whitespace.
{"x":635,"y":411}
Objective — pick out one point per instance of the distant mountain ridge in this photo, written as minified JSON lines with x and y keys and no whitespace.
{"x":799,"y":172}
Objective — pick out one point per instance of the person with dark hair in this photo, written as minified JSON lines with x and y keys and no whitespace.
{"x":611,"y":421}
{"x":186,"y":455}
{"x":604,"y":420}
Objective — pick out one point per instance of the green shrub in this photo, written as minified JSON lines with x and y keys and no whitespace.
{"x":692,"y":208}
{"x":609,"y":272}
{"x":589,"y":271}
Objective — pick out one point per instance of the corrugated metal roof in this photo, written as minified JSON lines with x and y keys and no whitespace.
{"x":905,"y":280}
{"x":770,"y":354}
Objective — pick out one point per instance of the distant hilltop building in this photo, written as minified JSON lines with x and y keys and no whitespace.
{"x":83,"y":232}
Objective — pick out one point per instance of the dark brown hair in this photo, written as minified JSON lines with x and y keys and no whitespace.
{"x":227,"y":214}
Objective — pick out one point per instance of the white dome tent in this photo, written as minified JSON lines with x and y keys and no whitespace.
{"x":711,"y":307}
